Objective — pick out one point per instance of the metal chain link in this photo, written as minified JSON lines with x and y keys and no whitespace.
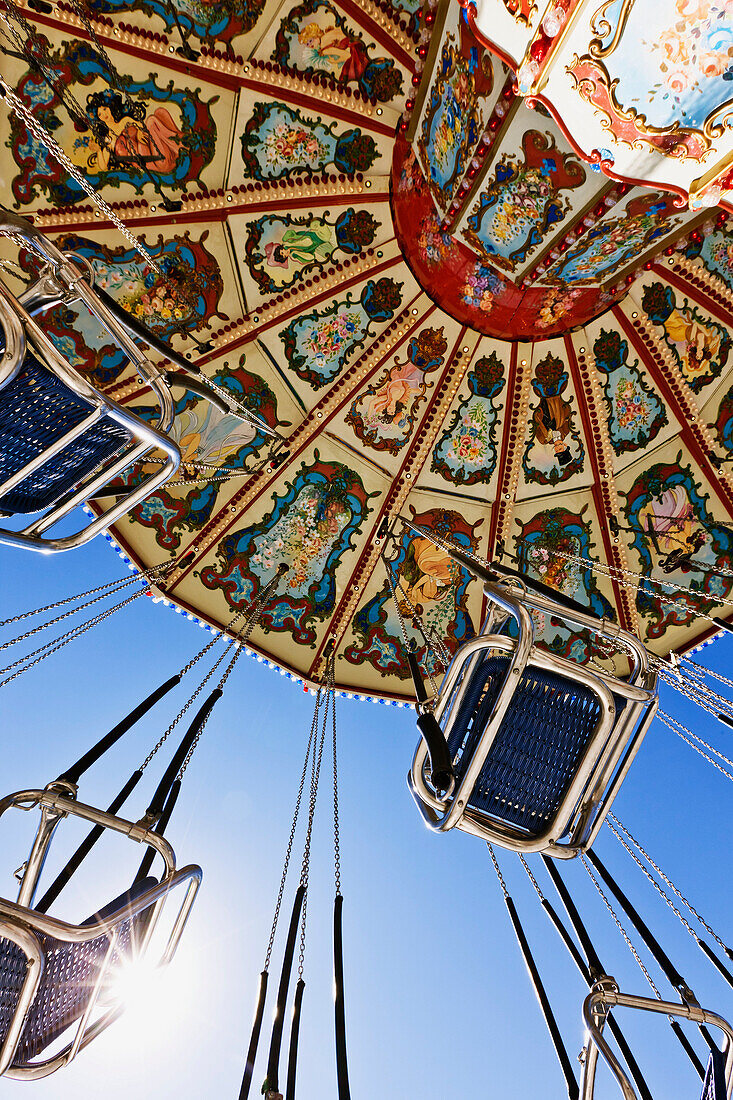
{"x":123,"y":583}
{"x":704,"y":697}
{"x":653,"y":881}
{"x":688,"y":904}
{"x":532,"y":879}
{"x":610,"y":572}
{"x":70,"y":599}
{"x":620,"y":927}
{"x":42,"y":135}
{"x":76,"y":632}
{"x":305,"y":867}
{"x":336,"y":826}
{"x":707,"y":671}
{"x":33,"y":49}
{"x":686,"y":736}
{"x":15,"y":269}
{"x":499,"y":875}
{"x":293,"y":827}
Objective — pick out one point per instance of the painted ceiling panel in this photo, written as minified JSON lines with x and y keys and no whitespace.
{"x":542,"y":404}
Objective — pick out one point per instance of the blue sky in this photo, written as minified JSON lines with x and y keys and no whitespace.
{"x":438,"y":1001}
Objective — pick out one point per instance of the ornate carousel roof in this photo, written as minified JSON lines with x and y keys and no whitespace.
{"x":446,"y":305}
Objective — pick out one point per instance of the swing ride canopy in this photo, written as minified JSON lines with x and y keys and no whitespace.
{"x":447,"y":313}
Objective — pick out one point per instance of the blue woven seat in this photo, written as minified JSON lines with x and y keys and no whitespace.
{"x":535,"y":754}
{"x":37,"y":409}
{"x":69,"y":978}
{"x":714,"y":1084}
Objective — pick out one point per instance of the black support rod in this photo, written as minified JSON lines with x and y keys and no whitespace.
{"x":562,"y":1054}
{"x":294,"y":1032}
{"x":155,"y":808}
{"x":663,"y":960}
{"x":342,"y":1065}
{"x":86,"y":846}
{"x":593,"y":970}
{"x":273,"y":1061}
{"x":670,"y":971}
{"x":75,"y":772}
{"x":254,"y":1039}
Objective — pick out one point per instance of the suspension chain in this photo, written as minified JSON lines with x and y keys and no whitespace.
{"x":499,"y":875}
{"x":403,"y":628}
{"x":620,"y":927}
{"x":311,"y":745}
{"x":76,"y":632}
{"x":653,"y":881}
{"x":688,"y":904}
{"x":611,"y":571}
{"x":689,"y":737}
{"x":336,"y":827}
{"x":305,"y":867}
{"x":531,"y":877}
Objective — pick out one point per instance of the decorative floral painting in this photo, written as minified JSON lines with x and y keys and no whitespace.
{"x":635,"y":413}
{"x":481,"y":287}
{"x":677,"y":540}
{"x":687,"y":45}
{"x":542,"y":548}
{"x":177,"y":300}
{"x":699,"y":344}
{"x":315,"y":38}
{"x":619,"y":240}
{"x":434,"y":244}
{"x":280,"y":249}
{"x":312,"y":523}
{"x":278,"y":141}
{"x":221,"y":21}
{"x":465,"y":453}
{"x":147,"y":136}
{"x":555,"y":450}
{"x":525,"y":196}
{"x":207,"y":436}
{"x":383,"y":416}
{"x":319,"y":344}
{"x":427,"y":579}
{"x":453,"y":117}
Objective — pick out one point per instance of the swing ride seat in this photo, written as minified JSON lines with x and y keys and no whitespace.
{"x":62,"y":441}
{"x":539,"y":744}
{"x":69,"y":974}
{"x":718,"y":1082}
{"x":55,"y":974}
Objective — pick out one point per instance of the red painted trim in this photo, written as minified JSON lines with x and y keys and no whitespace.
{"x":293,"y":454}
{"x":687,"y":433}
{"x":609,"y":549}
{"x":470,"y":9}
{"x":446,"y":373}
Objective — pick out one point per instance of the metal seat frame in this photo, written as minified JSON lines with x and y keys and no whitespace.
{"x":605,"y":997}
{"x":606,"y":759}
{"x":67,"y":278}
{"x":23,"y":926}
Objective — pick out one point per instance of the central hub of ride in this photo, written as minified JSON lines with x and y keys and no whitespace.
{"x":470,"y":285}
